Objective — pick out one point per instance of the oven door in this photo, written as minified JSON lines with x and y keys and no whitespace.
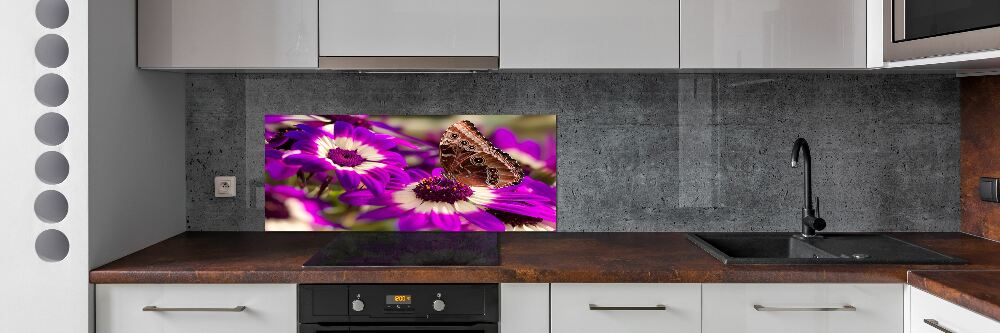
{"x":916,"y":29}
{"x":471,"y":328}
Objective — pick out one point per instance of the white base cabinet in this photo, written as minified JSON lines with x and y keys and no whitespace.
{"x":627,"y":307}
{"x":569,"y":308}
{"x":802,"y":308}
{"x":188,"y":308}
{"x":524,"y":307}
{"x":930,"y":314}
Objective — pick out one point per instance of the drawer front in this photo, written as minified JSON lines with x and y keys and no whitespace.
{"x":803,"y":308}
{"x":947,"y":316}
{"x":269,"y":308}
{"x":633,"y":308}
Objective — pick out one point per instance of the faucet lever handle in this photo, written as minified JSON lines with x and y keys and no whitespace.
{"x":817,"y":206}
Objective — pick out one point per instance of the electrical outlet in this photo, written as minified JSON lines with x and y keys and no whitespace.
{"x":225,"y":186}
{"x":988,"y":189}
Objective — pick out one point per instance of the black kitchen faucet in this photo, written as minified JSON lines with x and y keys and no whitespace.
{"x":810,"y":221}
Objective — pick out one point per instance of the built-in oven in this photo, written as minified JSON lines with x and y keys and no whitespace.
{"x":383,"y":308}
{"x":916,"y":29}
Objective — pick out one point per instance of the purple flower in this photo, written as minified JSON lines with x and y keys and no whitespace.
{"x":528,"y":153}
{"x":518,"y":222}
{"x":530,"y":185}
{"x":550,"y":153}
{"x":436,"y":202}
{"x":355,"y":155}
{"x":274,"y":163}
{"x":289,"y":208}
{"x":275,"y":125}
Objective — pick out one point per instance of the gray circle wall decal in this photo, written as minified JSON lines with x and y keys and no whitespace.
{"x":51,"y":51}
{"x":52,"y":13}
{"x":52,"y":245}
{"x":52,"y":167}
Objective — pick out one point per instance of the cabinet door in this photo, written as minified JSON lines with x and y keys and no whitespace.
{"x":588,"y":34}
{"x":425,"y":28}
{"x":227,"y":34}
{"x":524,"y":308}
{"x":627,"y":307}
{"x":270,"y":308}
{"x":773,"y":34}
{"x":803,"y":308}
{"x":927,"y":310}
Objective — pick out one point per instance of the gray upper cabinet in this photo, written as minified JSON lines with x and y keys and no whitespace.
{"x":509,"y":34}
{"x":780,"y":34}
{"x":588,"y":34}
{"x":409,"y":34}
{"x":220,"y":34}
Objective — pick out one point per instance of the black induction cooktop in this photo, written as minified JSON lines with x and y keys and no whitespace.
{"x":409,"y":249}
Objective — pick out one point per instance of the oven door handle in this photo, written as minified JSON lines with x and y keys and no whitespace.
{"x":416,"y":327}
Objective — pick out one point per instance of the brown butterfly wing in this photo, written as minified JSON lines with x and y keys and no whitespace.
{"x":467,"y":156}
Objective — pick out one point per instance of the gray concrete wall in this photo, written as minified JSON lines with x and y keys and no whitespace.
{"x":638,"y":152}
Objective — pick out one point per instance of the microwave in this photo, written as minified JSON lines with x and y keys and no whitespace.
{"x":915,"y":29}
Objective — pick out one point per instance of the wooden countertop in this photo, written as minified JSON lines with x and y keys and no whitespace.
{"x":277,"y":257}
{"x":978,"y":291}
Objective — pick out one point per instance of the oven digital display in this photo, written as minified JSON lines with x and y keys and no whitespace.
{"x":398,"y":299}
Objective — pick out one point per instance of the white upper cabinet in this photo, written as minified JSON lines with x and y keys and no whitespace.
{"x":509,"y":34}
{"x":409,"y":28}
{"x":780,"y":34}
{"x":589,"y":34}
{"x":227,"y":34}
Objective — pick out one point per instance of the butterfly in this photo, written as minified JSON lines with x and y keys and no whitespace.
{"x":469,"y":157}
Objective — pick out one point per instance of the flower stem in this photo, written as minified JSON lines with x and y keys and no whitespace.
{"x":323,"y":186}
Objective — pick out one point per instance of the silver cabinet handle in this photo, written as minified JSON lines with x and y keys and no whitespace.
{"x":595,"y":307}
{"x":934,"y":323}
{"x":159,"y":309}
{"x":769,"y":308}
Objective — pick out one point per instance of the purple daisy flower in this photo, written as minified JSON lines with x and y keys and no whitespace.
{"x":355,"y":155}
{"x":530,"y":185}
{"x":519,"y":222}
{"x":275,"y":125}
{"x":436,"y":202}
{"x":274,"y":163}
{"x":528,"y":153}
{"x":288,"y":208}
{"x":292,"y":120}
{"x":550,"y":153}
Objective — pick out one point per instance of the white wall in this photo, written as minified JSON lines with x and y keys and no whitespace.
{"x":137,"y":186}
{"x":35,"y":292}
{"x":125,"y":150}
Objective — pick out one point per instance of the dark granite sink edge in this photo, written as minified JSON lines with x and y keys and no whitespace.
{"x":699,"y":239}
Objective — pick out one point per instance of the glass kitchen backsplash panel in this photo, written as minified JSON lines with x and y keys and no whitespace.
{"x":410,"y":173}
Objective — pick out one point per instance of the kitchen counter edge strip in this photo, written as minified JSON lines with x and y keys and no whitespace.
{"x":277,"y":257}
{"x":978,"y":291}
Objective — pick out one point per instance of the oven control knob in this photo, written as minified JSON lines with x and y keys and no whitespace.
{"x":358,"y":305}
{"x":438,"y":305}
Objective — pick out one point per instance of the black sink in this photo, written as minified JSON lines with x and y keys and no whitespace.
{"x":834,"y":248}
